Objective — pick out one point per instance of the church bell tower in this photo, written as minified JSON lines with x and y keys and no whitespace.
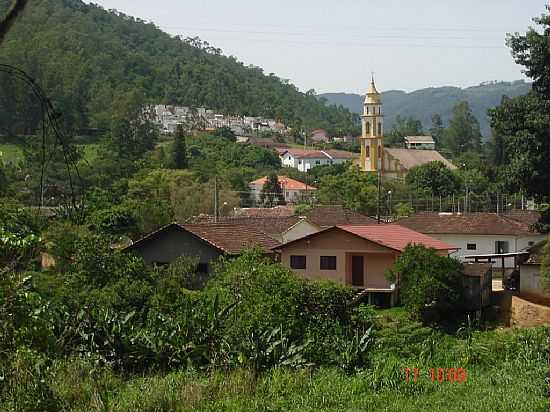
{"x":372,"y":119}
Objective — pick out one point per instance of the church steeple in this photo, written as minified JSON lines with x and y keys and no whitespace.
{"x":372,"y":119}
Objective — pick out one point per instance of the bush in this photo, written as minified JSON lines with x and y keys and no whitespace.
{"x":428,"y":283}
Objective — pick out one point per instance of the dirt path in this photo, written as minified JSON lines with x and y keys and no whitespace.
{"x":525,"y":313}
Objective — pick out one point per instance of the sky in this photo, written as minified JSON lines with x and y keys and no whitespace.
{"x":334,"y":46}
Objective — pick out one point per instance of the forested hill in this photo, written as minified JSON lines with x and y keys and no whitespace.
{"x":84,"y":56}
{"x":422,"y":104}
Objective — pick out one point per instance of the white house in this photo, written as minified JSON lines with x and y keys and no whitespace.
{"x":293,"y":190}
{"x":479,"y":233}
{"x":303,"y":160}
{"x":420,"y":142}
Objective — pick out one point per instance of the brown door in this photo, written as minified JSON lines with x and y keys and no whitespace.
{"x":357,"y":275}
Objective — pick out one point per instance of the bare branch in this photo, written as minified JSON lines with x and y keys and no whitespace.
{"x":14,"y":11}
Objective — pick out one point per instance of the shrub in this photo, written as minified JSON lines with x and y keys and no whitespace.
{"x":428,"y":283}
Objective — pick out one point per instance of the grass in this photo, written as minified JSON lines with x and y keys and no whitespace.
{"x":508,"y":370}
{"x":10,"y":153}
{"x":504,"y":388}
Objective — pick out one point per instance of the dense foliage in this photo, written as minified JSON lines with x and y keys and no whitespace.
{"x":434,"y":177}
{"x":429,"y":283}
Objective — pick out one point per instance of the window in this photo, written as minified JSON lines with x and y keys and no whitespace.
{"x":367,"y":128}
{"x":379,"y":129}
{"x":328,"y":263}
{"x":300,"y":161}
{"x":502,"y":246}
{"x":471,"y":246}
{"x":317,"y":162}
{"x":297,"y":262}
{"x":367,"y":151}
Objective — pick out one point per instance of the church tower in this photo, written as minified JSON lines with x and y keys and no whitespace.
{"x":372,"y":119}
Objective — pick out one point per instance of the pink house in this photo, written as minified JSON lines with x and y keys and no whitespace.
{"x":355,"y":255}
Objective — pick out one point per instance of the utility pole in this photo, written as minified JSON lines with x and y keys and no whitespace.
{"x":378,"y":198}
{"x":215,"y":199}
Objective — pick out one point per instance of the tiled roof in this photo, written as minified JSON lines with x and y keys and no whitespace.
{"x":326,"y":216}
{"x":469,"y":223}
{"x":232,"y":238}
{"x":286,"y":183}
{"x":395,"y":236}
{"x":341,"y":154}
{"x":410,"y":158}
{"x":419,"y":139}
{"x":229,"y":238}
{"x":321,"y":154}
{"x":262,"y":212}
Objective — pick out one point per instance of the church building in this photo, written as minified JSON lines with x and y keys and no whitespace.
{"x":389,"y":162}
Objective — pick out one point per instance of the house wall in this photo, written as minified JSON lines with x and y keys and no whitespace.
{"x":485,"y":244}
{"x":530,"y":282}
{"x":299,"y":230}
{"x":291,"y":195}
{"x":168,"y":245}
{"x":342,"y":245}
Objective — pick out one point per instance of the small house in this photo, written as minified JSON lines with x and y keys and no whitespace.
{"x":294,"y":191}
{"x":355,"y":255}
{"x":480,"y":233}
{"x":206,"y":242}
{"x":420,"y":142}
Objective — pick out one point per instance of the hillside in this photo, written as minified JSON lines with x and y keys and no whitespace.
{"x":422,"y":104}
{"x":84,"y":56}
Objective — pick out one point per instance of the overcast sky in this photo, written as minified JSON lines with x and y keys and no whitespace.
{"x":332,"y":46}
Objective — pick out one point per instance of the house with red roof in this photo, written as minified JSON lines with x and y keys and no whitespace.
{"x":356,"y":255}
{"x":294,"y":191}
{"x":305,"y":159}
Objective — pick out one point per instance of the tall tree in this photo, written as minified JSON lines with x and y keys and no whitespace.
{"x":437,"y":130}
{"x":463,"y":133}
{"x":434,"y":177}
{"x":403,"y":126}
{"x":180,"y":149}
{"x":532,"y":50}
{"x":272,"y":192}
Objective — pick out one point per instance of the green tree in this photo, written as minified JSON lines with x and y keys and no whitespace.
{"x":463,"y":133}
{"x":437,"y":130}
{"x":403,"y":126}
{"x":272,"y":192}
{"x":353,"y":189}
{"x":524,"y":125}
{"x":434,"y":177}
{"x":428,"y":283}
{"x":180,"y":149}
{"x":532,"y":50}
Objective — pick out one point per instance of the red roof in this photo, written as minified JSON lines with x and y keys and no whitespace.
{"x":229,"y":238}
{"x":286,"y":183}
{"x":395,"y":236}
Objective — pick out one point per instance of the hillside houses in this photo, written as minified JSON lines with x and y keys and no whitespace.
{"x":200,"y":118}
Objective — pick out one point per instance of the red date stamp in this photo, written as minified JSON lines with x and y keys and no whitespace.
{"x":439,"y":375}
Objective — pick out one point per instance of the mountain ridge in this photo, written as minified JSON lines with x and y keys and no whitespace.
{"x":421,"y":104}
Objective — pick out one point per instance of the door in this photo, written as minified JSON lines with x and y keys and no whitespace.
{"x":357,"y":271}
